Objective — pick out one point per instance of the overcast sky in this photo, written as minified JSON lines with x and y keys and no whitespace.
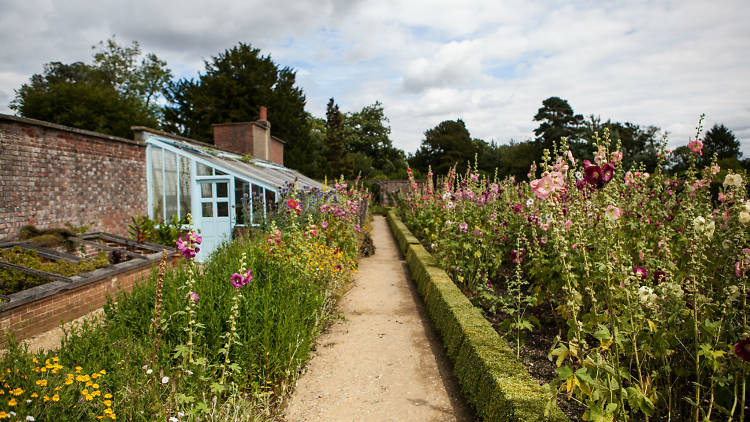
{"x":491,"y":63}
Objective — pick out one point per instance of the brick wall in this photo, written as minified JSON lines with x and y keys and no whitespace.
{"x":51,"y":175}
{"x":277,"y":152}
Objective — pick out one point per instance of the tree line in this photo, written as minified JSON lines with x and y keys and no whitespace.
{"x":122,"y":87}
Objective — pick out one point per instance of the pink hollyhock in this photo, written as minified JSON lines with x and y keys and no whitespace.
{"x":188,"y":246}
{"x":696,"y":146}
{"x":629,"y":180}
{"x":194,"y":297}
{"x":294,"y":206}
{"x":640,"y":272}
{"x":463,"y":227}
{"x":324,"y":225}
{"x":600,"y":156}
{"x":616,"y":156}
{"x":239,"y":280}
{"x":613,"y":212}
{"x":742,"y":349}
{"x":608,"y":172}
{"x":543,"y":187}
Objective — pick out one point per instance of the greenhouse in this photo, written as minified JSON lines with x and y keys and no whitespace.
{"x":220,"y":189}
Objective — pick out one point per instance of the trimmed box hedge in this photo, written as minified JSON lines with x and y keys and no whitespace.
{"x":492,"y":379}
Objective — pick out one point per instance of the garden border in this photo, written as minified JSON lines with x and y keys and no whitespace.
{"x":495,"y":383}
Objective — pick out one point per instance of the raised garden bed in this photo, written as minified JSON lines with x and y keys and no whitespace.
{"x":61,"y":285}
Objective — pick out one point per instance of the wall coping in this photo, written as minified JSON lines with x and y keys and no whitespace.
{"x":62,"y":128}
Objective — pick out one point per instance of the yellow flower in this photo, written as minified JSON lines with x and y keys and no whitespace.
{"x":17,"y":392}
{"x":94,"y":386}
{"x":3,"y":414}
{"x":55,"y":359}
{"x":78,"y":369}
{"x":58,"y":388}
{"x":34,"y":395}
{"x":12,"y":402}
{"x":95,"y":375}
{"x":55,"y":398}
{"x":43,"y":383}
{"x":84,"y":391}
{"x":103,"y":372}
{"x":33,"y":360}
{"x":108,"y":396}
{"x":107,"y":403}
{"x":68,"y":381}
{"x":46,"y":398}
{"x":96,"y":393}
{"x":88,"y":397}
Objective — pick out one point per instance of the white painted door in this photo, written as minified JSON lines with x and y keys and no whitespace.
{"x":214,"y":222}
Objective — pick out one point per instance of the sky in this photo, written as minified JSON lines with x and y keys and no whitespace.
{"x":490,"y":63}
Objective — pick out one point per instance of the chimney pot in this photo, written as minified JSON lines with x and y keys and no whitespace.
{"x":263,"y":113}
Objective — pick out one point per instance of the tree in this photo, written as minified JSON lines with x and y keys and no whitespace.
{"x":92,"y":96}
{"x":368,"y":140}
{"x":638,"y":145}
{"x":236,"y":83}
{"x":444,"y":146}
{"x":720,"y":140}
{"x":339,"y":162}
{"x":558,"y":121}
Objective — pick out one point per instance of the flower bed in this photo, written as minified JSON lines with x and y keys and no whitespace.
{"x":643,"y":275}
{"x":218,"y":342}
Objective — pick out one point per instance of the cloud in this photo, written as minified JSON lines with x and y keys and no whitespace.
{"x":490,"y":63}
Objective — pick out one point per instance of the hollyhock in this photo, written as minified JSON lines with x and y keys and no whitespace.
{"x":659,"y":276}
{"x":715,"y":169}
{"x":640,"y":272}
{"x":732,"y":180}
{"x":543,"y":187}
{"x":616,"y":156}
{"x":629,"y":179}
{"x":696,"y":146}
{"x":463,"y":227}
{"x":239,"y":280}
{"x":194,"y":297}
{"x":742,"y":349}
{"x":613,"y":212}
{"x":600,"y":156}
{"x":608,"y":172}
{"x":324,"y":225}
{"x":294,"y":206}
{"x":188,"y":246}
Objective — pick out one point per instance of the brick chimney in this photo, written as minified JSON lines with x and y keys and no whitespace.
{"x":250,"y":138}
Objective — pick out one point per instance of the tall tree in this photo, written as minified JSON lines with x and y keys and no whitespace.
{"x":236,"y":83}
{"x":368,"y":140}
{"x":444,"y":146}
{"x":720,"y":140}
{"x":558,"y":120}
{"x":339,"y":161}
{"x":638,"y":145}
{"x":96,"y":96}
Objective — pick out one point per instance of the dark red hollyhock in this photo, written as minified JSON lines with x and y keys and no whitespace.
{"x":592,"y":173}
{"x":742,"y":348}
{"x":660,"y":276}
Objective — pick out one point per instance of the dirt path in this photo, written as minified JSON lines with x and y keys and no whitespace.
{"x":383,"y":362}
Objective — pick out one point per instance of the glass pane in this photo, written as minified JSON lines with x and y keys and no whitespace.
{"x":204,"y":170}
{"x":219,"y":173}
{"x":185,"y":194}
{"x":270,"y":201}
{"x":221,"y":190}
{"x":257,"y":204}
{"x":206,"y":190}
{"x":222,"y":209}
{"x":170,"y":183}
{"x":242,"y":201}
{"x":157,"y":192}
{"x":207,"y":209}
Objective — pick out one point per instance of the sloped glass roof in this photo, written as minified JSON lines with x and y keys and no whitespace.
{"x":253,"y":169}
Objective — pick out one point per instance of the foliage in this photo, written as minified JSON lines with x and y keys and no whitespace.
{"x":196,"y":343}
{"x":498,"y":387}
{"x":368,"y":140}
{"x":143,"y":229}
{"x":557,"y":121}
{"x":445,"y":145}
{"x":644,"y":275}
{"x":235,"y":84}
{"x":721,"y":141}
{"x":339,"y":162}
{"x":108,"y":96}
{"x":12,"y":281}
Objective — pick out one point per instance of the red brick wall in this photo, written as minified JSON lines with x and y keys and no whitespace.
{"x":277,"y":152}
{"x":235,"y":137}
{"x":51,"y":175}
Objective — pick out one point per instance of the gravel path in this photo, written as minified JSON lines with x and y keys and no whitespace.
{"x":383,"y":361}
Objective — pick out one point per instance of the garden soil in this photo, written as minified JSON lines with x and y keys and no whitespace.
{"x":382,"y":361}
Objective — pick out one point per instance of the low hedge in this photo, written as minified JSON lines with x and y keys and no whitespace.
{"x":492,"y":379}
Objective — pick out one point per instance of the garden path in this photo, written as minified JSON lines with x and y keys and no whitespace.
{"x":382,"y":361}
